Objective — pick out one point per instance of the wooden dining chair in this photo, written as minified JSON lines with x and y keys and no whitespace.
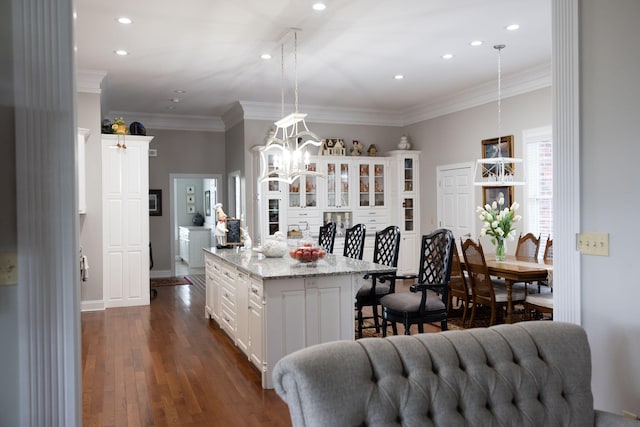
{"x":528,"y":246}
{"x":327,"y":236}
{"x":385,"y":251}
{"x":458,"y":288}
{"x":483,"y":290}
{"x":354,"y":241}
{"x":427,"y":300}
{"x":548,"y":250}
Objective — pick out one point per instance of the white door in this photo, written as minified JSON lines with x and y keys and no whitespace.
{"x":456,"y":197}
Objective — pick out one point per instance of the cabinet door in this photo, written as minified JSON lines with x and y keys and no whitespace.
{"x":256,"y":307}
{"x":209,"y":285}
{"x":303,"y":193}
{"x":242,"y":312}
{"x":372,"y":183}
{"x":274,"y":213}
{"x":338,"y":184}
{"x":409,"y":254}
{"x":272,"y":187}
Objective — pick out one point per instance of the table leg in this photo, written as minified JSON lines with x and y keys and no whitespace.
{"x":508,"y":283}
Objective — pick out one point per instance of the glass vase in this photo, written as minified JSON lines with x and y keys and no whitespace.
{"x":501,"y":250}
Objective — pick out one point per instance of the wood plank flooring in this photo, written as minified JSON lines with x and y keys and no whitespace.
{"x":166,"y":365}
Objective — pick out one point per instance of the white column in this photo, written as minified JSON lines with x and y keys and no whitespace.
{"x":48,"y":265}
{"x":566,"y":160}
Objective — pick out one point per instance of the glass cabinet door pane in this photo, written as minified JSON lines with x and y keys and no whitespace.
{"x":331,"y":184}
{"x":344,"y":185}
{"x":407,"y":207}
{"x":271,"y":161}
{"x":408,"y":174}
{"x":294,"y":194}
{"x":310,"y":189}
{"x":378,"y":182}
{"x":274,"y":215}
{"x":363,"y":174}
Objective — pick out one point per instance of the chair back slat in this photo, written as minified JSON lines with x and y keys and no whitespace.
{"x":458,"y":283}
{"x":327,"y":236}
{"x":548,"y":250}
{"x":436,"y":258}
{"x":354,"y":241}
{"x":386,"y":246}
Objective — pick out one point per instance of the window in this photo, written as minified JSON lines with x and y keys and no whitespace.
{"x":538,"y":158}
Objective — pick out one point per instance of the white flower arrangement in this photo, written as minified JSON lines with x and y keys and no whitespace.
{"x":498,"y":221}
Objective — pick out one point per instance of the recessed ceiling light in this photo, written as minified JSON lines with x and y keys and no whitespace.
{"x":476,"y":43}
{"x":176,"y":100}
{"x":512,"y":27}
{"x":265,"y":56}
{"x":447,"y":56}
{"x":318,"y":5}
{"x":179,"y":91}
{"x":124,"y":20}
{"x":398,"y":77}
{"x":121,"y":52}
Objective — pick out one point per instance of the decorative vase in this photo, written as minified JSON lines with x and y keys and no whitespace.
{"x":404,"y":143}
{"x":501,"y":250}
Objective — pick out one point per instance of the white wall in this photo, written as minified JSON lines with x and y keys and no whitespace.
{"x":610,"y":196}
{"x":456,"y":138}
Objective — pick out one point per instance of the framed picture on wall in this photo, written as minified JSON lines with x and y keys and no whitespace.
{"x":207,"y":203}
{"x":155,"y":202}
{"x":491,"y":150}
{"x":491,"y":194}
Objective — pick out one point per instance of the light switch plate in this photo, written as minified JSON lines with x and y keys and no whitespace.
{"x":8,"y":268}
{"x":591,"y":243}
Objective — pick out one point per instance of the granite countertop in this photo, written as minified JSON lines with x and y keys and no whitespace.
{"x":261,"y":267}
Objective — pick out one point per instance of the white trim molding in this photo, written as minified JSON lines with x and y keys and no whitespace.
{"x":95,"y":305}
{"x":90,"y":81}
{"x":566,"y":160}
{"x":48,"y":224}
{"x":171,"y":121}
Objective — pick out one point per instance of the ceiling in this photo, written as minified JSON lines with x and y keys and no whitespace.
{"x":347,"y":55}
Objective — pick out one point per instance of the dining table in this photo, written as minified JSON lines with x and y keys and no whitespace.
{"x":519,"y":269}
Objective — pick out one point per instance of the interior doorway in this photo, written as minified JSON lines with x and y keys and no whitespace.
{"x":191,"y":194}
{"x":456,"y":199}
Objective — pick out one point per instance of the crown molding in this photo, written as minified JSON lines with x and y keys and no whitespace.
{"x":172,"y":121}
{"x":533,"y":79}
{"x":319,"y":114}
{"x":233,"y":116}
{"x":89,"y":81}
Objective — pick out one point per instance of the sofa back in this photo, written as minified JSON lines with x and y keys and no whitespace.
{"x":526,"y":374}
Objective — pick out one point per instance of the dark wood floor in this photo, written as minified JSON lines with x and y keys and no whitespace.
{"x":166,"y":365}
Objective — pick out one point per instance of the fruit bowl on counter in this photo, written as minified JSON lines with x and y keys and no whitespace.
{"x":307,"y":253}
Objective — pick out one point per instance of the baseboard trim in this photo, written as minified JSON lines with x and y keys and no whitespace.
{"x":160,"y":273}
{"x":96,"y":305}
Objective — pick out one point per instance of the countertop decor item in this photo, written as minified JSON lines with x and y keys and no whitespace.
{"x":119,"y":126}
{"x":404,"y":143}
{"x":274,"y":246}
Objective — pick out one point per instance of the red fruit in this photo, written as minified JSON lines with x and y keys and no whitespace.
{"x":292,"y":253}
{"x":308,"y":244}
{"x":306,"y":257}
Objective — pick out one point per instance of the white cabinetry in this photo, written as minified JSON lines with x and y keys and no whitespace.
{"x":406,"y":212}
{"x":125,"y":211}
{"x":192,"y":240}
{"x":236,"y":301}
{"x":81,"y":165}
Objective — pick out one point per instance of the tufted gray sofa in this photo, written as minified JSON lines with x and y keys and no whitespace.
{"x":527,"y":374}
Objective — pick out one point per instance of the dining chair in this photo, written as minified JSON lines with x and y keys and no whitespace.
{"x":458,"y":287}
{"x":539,"y":304}
{"x":528,"y":246}
{"x":548,"y":250}
{"x":427,"y":300}
{"x":354,"y":241}
{"x":327,"y":236}
{"x":385,"y":251}
{"x":483,"y":290}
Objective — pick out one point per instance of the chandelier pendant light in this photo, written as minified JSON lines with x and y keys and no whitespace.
{"x":497,"y":171}
{"x":288,"y":146}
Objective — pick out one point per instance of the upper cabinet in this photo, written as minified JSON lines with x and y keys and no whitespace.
{"x":337,"y":171}
{"x":303,"y":193}
{"x":372,"y":182}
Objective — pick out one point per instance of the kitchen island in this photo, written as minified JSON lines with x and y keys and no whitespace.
{"x":271,"y":307}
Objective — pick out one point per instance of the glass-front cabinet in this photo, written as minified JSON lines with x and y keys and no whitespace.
{"x":303,"y":192}
{"x":274,"y":214}
{"x":372,"y":183}
{"x":337,"y":174}
{"x":406,"y":207}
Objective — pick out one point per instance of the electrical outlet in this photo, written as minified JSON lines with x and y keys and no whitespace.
{"x":8,"y":268}
{"x":591,"y":243}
